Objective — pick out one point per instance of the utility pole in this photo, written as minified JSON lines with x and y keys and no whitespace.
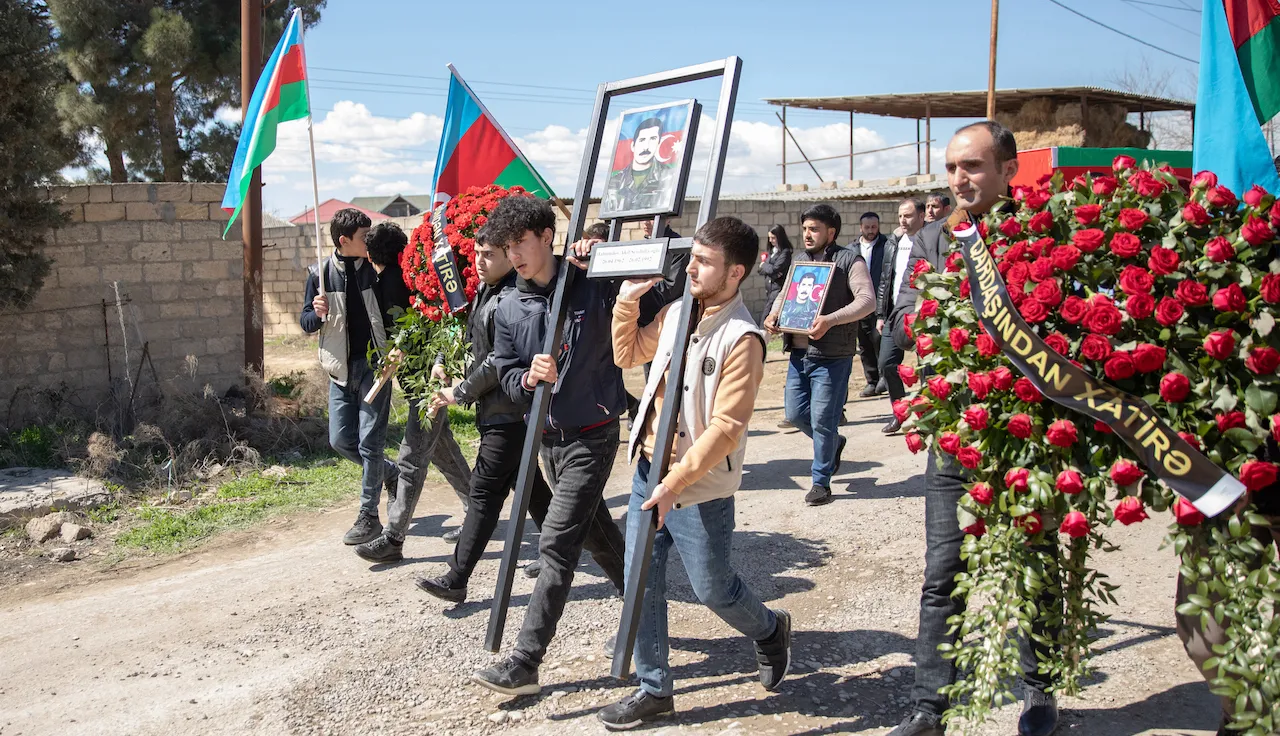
{"x":991,"y":71}
{"x":251,"y":213}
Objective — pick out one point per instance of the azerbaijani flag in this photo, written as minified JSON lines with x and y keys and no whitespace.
{"x":476,"y":151}
{"x":1239,"y":91}
{"x":280,"y":96}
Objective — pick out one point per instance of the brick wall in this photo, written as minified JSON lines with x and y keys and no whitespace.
{"x":180,"y":282}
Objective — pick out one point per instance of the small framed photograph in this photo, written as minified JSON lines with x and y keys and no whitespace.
{"x":806,"y":291}
{"x":650,"y":162}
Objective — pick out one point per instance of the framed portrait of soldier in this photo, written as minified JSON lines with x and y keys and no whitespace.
{"x":650,"y":162}
{"x":804,"y":295}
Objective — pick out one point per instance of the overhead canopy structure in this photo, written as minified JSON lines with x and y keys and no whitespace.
{"x":924,"y":106}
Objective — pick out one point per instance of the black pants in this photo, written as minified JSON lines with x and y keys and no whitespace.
{"x":869,"y":341}
{"x":890,"y":358}
{"x":578,"y":468}
{"x":496,"y":471}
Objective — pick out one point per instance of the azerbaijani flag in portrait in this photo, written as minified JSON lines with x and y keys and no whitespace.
{"x":674,"y":118}
{"x":279,"y":96}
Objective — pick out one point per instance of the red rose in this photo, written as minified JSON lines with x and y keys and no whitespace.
{"x":940,"y":387}
{"x":1221,"y":197}
{"x":1130,"y":511}
{"x":1125,"y":473}
{"x":1125,"y":245}
{"x":1205,"y":180}
{"x":949,"y":442}
{"x":1003,"y":378}
{"x":1017,"y":275}
{"x":1230,"y":420}
{"x":1148,"y":358}
{"x":1104,"y":185}
{"x":1163,"y":261}
{"x":1256,"y":231}
{"x":1103,"y":427}
{"x":915,"y":443}
{"x":980,"y":384}
{"x":1185,"y":513}
{"x":924,"y":345}
{"x":1087,"y":240}
{"x":1146,"y":184}
{"x":1219,"y":250}
{"x":1193,"y":213}
{"x":1061,"y":433}
{"x":1270,"y":288}
{"x":982,"y":494}
{"x":1136,"y":280}
{"x":1033,"y":311}
{"x":1010,"y":228}
{"x":955,"y":262}
{"x":1255,"y":195}
{"x":976,"y":529}
{"x":1041,"y":269}
{"x":1257,"y":475}
{"x":1087,"y":214}
{"x":1132,"y":219}
{"x":1274,"y":214}
{"x":1016,"y":479}
{"x":1065,"y":257}
{"x":1025,"y":390}
{"x":1038,"y":198}
{"x":1103,"y":317}
{"x":1074,"y":525}
{"x":901,"y":410}
{"x":1219,"y":345}
{"x":1174,"y":387}
{"x":1122,"y":162}
{"x":987,"y":347}
{"x":976,"y":418}
{"x":928,"y":308}
{"x":1230,"y":299}
{"x":1191,"y":439}
{"x":1032,"y":523}
{"x":922,"y":267}
{"x":958,"y":337}
{"x":1020,"y":426}
{"x":1140,"y":306}
{"x":1275,"y":427}
{"x":1095,"y":347}
{"x":1192,"y":293}
{"x":1073,"y":310}
{"x":1040,"y":222}
{"x":907,"y":320}
{"x":1069,"y":482}
{"x":1048,"y":293}
{"x":970,"y":457}
{"x":1058,"y":342}
{"x":1263,"y":361}
{"x":908,"y":375}
{"x":1042,"y":246}
{"x":920,"y":405}
{"x":1119,"y":366}
{"x":1168,"y":311}
{"x":964,"y":289}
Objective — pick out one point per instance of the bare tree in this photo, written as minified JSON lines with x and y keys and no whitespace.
{"x":1169,"y":130}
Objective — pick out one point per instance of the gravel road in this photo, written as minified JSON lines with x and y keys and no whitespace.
{"x":283,"y":629}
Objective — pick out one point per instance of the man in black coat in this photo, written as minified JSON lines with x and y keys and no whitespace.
{"x":871,"y":245}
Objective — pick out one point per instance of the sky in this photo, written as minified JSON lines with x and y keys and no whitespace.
{"x":378,"y":77}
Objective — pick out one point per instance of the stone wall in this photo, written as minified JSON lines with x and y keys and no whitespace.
{"x":179,"y":285}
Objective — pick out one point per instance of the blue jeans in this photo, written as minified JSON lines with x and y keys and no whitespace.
{"x":702,"y":534}
{"x":815,"y":395}
{"x":358,"y":431}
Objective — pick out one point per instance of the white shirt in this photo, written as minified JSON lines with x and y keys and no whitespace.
{"x":900,"y":259}
{"x":866,"y":250}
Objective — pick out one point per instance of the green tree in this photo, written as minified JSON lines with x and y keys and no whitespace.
{"x":33,"y":151}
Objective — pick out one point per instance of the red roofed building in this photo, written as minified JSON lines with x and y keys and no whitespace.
{"x":327,"y":210}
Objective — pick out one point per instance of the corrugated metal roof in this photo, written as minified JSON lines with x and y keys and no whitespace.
{"x":876,"y":189}
{"x":974,"y":104}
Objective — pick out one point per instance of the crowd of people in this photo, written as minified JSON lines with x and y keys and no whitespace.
{"x":616,"y":325}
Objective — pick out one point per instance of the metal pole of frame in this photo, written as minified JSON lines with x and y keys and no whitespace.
{"x":640,"y":550}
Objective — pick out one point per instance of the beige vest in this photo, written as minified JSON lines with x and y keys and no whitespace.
{"x":711,"y":343}
{"x":333,"y":331}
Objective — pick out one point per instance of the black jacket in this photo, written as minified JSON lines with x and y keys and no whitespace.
{"x":876,"y":264}
{"x":670,"y":289}
{"x":589,"y":390}
{"x":932,"y":244}
{"x":480,"y":387}
{"x":775,"y":269}
{"x":841,"y":340}
{"x":888,"y":289}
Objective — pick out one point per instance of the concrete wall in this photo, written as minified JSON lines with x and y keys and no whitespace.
{"x":181,"y":284}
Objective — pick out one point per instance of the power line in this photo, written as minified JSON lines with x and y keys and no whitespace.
{"x":1162,"y":5}
{"x":1165,"y":21}
{"x":1122,"y":33}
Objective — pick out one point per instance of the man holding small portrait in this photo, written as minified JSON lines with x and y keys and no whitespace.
{"x":642,"y":185}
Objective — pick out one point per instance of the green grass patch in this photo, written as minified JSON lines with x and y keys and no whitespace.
{"x":240,"y":503}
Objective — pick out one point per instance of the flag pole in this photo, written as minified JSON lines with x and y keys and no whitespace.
{"x":311,"y":145}
{"x":563,"y":209}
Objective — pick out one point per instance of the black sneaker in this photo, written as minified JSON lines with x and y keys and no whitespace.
{"x":867,"y":391}
{"x":440,"y":588}
{"x":818,"y":495}
{"x":366,"y":529}
{"x":919,"y":724}
{"x":452,"y":535}
{"x":1039,"y":713}
{"x":533,"y":569}
{"x":893,"y":426}
{"x":773,"y":655}
{"x":840,"y":452}
{"x":382,"y":549}
{"x":634,"y":710}
{"x":511,"y":676}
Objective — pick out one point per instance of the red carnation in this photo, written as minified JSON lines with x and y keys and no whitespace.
{"x":1125,"y":473}
{"x":1104,"y":185}
{"x":949,"y":442}
{"x":1221,"y":197}
{"x":908,"y":374}
{"x":1193,"y":213}
{"x":1003,"y":378}
{"x":1119,"y":366}
{"x":1095,"y":347}
{"x":1087,"y":240}
{"x":1020,"y":426}
{"x":1122,"y":162}
{"x":1174,"y":387}
{"x":1192,"y":293}
{"x":1073,"y":310}
{"x":1230,"y":420}
{"x":958,"y":337}
{"x":982,"y":494}
{"x":1061,"y":433}
{"x":915,"y":443}
{"x":928,"y":308}
{"x":1140,"y":306}
{"x":1257,"y":475}
{"x":1230,"y":299}
{"x":1148,"y":358}
{"x":1256,"y":231}
{"x":970,"y":457}
{"x":1087,"y":214}
{"x":980,"y":384}
{"x":1168,"y":311}
{"x":1130,"y":510}
{"x":940,"y":387}
{"x":1219,"y":345}
{"x":1069,"y":482}
{"x":1132,"y":219}
{"x":1016,"y":479}
{"x":1163,"y":261}
{"x":987,"y":347}
{"x":1074,"y":525}
{"x":1025,"y":390}
{"x":1263,"y":361}
{"x":1185,"y":513}
{"x":1125,"y":245}
{"x":976,"y":418}
{"x":924,"y":345}
{"x":1270,"y":288}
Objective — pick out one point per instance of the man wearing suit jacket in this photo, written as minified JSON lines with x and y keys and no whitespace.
{"x":982,"y":159}
{"x":896,"y":260}
{"x":872,"y":247}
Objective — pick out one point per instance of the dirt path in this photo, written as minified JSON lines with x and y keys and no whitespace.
{"x":283,"y":629}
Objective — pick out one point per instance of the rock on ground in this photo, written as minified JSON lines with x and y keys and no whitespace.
{"x":47,"y":527}
{"x":75,"y":532}
{"x":62,"y":554}
{"x":32,"y":492}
